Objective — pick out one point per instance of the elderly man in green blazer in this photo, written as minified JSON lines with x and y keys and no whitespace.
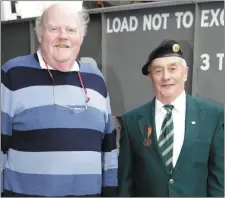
{"x":172,"y":146}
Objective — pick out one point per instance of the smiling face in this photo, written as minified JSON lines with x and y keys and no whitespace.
{"x":168,"y":76}
{"x":60,"y":37}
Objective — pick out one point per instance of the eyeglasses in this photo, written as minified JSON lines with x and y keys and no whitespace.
{"x":81,"y":108}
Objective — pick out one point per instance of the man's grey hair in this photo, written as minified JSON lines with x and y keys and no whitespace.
{"x":183,"y":62}
{"x":82,"y":17}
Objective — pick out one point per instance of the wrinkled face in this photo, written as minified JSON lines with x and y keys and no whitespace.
{"x":60,"y":36}
{"x":168,"y":76}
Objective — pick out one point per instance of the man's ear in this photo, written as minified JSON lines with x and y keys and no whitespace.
{"x":186,"y":74}
{"x":39,"y":30}
{"x":149,"y":76}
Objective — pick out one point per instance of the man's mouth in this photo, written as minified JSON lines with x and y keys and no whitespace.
{"x":167,"y":85}
{"x":62,"y":46}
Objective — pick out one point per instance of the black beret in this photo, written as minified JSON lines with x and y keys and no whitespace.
{"x":165,"y":49}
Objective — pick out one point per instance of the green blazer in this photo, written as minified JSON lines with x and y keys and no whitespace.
{"x":199,"y":171}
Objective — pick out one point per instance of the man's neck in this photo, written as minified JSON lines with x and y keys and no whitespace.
{"x":61,"y":66}
{"x":170,"y":100}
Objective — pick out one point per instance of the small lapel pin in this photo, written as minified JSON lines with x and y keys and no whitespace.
{"x":147,"y":141}
{"x":193,"y":122}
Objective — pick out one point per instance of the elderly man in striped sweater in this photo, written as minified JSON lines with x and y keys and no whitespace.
{"x":57,"y":125}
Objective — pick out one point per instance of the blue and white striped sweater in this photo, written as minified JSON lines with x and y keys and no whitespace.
{"x":51,"y":152}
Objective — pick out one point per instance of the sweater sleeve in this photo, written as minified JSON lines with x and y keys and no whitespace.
{"x":109,"y":156}
{"x":6,"y":119}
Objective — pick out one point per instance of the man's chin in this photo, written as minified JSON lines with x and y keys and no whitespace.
{"x":166,"y":96}
{"x":63,"y":59}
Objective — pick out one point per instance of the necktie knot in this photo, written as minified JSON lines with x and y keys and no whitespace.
{"x":169,"y":108}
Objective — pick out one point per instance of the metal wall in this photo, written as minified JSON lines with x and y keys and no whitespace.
{"x":120,"y":39}
{"x":15,"y":40}
{"x":209,"y":71}
{"x":124,"y":58}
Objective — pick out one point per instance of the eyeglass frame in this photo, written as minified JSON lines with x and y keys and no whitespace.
{"x":74,"y":109}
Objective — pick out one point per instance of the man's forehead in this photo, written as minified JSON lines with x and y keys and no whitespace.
{"x":59,"y":13}
{"x":60,"y":22}
{"x":61,"y":8}
{"x":165,"y":61}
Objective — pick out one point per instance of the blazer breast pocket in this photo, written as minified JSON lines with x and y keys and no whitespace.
{"x":200,"y":152}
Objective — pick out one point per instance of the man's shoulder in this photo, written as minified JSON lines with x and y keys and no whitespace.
{"x":20,"y":61}
{"x":95,"y":78}
{"x":137,"y":110}
{"x":206,"y":104}
{"x":90,"y":69}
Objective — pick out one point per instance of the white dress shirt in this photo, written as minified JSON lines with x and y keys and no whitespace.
{"x":178,"y":115}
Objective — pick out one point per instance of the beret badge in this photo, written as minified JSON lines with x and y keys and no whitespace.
{"x":175,"y":48}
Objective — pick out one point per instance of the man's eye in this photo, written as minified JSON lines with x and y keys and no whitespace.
{"x":53,"y":29}
{"x":72,"y":30}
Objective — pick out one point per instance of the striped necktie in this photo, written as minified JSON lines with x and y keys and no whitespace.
{"x":166,"y":138}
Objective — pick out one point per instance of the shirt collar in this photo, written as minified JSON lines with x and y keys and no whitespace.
{"x":75,"y":66}
{"x":179,"y":103}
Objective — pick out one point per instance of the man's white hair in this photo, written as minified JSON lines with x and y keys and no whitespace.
{"x":183,"y":62}
{"x":82,"y":18}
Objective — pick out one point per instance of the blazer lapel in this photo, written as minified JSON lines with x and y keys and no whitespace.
{"x":146,"y":119}
{"x":192,"y":122}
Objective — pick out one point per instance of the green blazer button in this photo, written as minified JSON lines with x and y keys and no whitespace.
{"x":171,"y":181}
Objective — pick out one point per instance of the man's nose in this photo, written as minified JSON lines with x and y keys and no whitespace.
{"x":166,"y":75}
{"x":63,"y":34}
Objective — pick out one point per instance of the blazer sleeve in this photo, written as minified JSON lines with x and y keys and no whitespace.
{"x":125,"y":178}
{"x":216,"y":161}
